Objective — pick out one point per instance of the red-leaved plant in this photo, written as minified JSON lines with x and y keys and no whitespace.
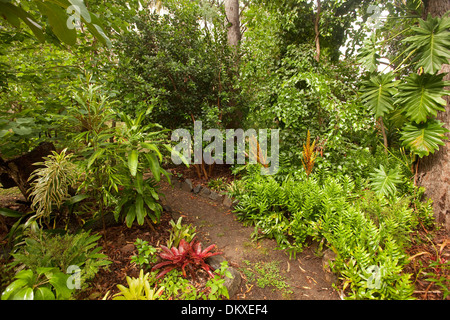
{"x":187,"y":255}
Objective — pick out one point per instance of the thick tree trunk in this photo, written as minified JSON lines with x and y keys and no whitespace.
{"x":434,"y":170}
{"x":16,"y":172}
{"x":233,"y":22}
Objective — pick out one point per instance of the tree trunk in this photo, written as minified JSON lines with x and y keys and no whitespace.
{"x":316,"y":30}
{"x":16,"y":172}
{"x":233,"y":22}
{"x":434,"y":170}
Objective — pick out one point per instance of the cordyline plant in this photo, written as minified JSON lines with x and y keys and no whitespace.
{"x":188,"y":254}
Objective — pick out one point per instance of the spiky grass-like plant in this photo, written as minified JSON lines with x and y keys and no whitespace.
{"x":51,"y":182}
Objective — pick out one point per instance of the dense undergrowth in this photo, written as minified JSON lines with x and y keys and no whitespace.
{"x":367,"y":231}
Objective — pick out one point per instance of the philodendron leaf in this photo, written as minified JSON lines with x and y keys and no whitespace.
{"x":368,"y":55}
{"x":431,"y":42}
{"x":420,"y":96}
{"x":384,"y":182}
{"x":424,"y":138}
{"x":378,"y":93}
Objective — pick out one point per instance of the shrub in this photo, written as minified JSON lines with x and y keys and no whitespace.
{"x":44,"y":250}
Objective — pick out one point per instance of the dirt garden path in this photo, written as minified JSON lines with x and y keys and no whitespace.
{"x":216,"y":224}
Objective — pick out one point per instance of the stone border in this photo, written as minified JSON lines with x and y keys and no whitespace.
{"x":204,"y":192}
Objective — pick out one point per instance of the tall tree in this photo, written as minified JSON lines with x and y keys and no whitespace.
{"x":316,"y":29}
{"x":434,"y":170}
{"x":233,"y":22}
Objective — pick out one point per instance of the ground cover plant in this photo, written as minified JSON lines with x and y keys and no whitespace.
{"x":90,"y":93}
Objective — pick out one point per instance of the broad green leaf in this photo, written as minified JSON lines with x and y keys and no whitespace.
{"x":368,"y":55}
{"x":43,"y":293}
{"x":378,"y":93}
{"x":57,"y":17}
{"x":77,"y":198}
{"x":12,"y":10}
{"x":424,"y":138}
{"x":96,"y":155}
{"x":175,"y":152}
{"x":420,"y":96}
{"x":384,"y":183}
{"x":131,"y":215}
{"x":166,"y":174}
{"x":13,"y":288}
{"x":59,"y":281}
{"x":95,"y":28}
{"x":139,"y":183}
{"x":150,"y":146}
{"x":22,"y":131}
{"x":431,"y":42}
{"x":154,"y":165}
{"x":24,"y":294}
{"x":140,"y":210}
{"x":25,"y":275}
{"x":150,"y":202}
{"x":133,"y":160}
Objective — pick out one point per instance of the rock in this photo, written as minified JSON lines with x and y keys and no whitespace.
{"x":215,"y":196}
{"x":233,"y":283}
{"x":215,"y":261}
{"x":227,"y":201}
{"x":205,"y":192}
{"x":187,"y":185}
{"x":197,"y":189}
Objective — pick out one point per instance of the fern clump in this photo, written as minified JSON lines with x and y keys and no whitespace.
{"x":368,"y":229}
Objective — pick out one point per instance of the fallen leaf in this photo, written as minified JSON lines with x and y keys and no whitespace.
{"x":418,"y":254}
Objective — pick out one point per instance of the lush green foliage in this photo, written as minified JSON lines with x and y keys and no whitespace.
{"x":180,"y":231}
{"x":169,"y":62}
{"x":363,"y":228}
{"x":139,"y":289}
{"x":418,"y":96}
{"x":60,"y":15}
{"x":62,"y":251}
{"x":146,"y":253}
{"x":173,"y":286}
{"x":44,"y":262}
{"x":43,"y":284}
{"x":180,"y":64}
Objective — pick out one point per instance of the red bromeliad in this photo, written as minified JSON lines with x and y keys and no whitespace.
{"x":188,"y":255}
